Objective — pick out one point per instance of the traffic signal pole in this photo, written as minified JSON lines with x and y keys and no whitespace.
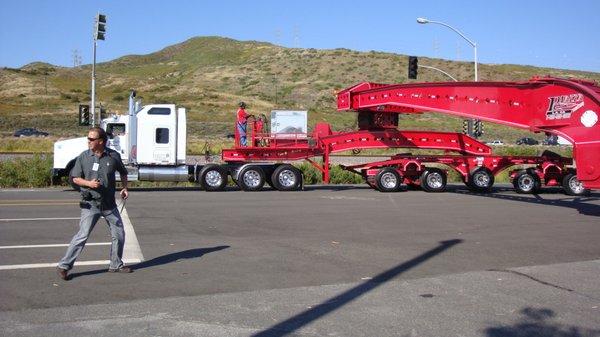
{"x":93,"y":105}
{"x":99,"y":32}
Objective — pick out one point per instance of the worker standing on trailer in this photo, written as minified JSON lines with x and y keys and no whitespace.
{"x":242,"y":123}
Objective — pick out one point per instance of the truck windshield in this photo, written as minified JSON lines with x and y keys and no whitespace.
{"x":115,"y":129}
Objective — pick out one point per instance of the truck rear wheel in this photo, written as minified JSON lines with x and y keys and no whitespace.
{"x":527,"y":182}
{"x":481,"y":180}
{"x":286,"y":178}
{"x":388,"y":180}
{"x":251,"y":178}
{"x":433,"y":180}
{"x":573,"y":186}
{"x":213,"y":178}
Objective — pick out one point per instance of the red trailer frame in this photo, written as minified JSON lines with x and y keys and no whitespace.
{"x":568,"y":108}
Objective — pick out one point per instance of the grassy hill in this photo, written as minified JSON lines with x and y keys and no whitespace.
{"x":209,"y":75}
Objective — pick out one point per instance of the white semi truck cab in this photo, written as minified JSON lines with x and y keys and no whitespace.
{"x":150,"y":139}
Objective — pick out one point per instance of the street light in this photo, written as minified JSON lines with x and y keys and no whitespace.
{"x":424,"y":21}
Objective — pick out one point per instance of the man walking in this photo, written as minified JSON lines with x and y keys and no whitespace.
{"x":94,"y":173}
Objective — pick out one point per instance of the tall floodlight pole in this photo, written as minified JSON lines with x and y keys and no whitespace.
{"x":99,"y":32}
{"x":424,"y":21}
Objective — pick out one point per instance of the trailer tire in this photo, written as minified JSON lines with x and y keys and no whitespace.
{"x":286,"y":178}
{"x":527,"y":182}
{"x":480,"y":180}
{"x":251,"y":178}
{"x":388,"y":180}
{"x":433,"y":180}
{"x":212,"y":178}
{"x":573,"y":186}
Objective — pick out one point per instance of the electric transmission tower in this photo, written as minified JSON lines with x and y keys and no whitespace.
{"x":76,"y":58}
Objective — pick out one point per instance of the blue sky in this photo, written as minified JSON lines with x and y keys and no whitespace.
{"x":550,"y":33}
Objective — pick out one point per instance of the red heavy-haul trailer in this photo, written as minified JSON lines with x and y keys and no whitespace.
{"x":565,"y":107}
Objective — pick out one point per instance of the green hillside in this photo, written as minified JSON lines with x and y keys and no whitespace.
{"x":209,"y":75}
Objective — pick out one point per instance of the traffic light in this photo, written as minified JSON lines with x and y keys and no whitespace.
{"x":466,"y":127}
{"x":84,"y":114}
{"x":413,"y":67}
{"x":477,"y":128}
{"x":100,"y":30}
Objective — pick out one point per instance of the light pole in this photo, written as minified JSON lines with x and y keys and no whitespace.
{"x":441,"y":71}
{"x":424,"y":21}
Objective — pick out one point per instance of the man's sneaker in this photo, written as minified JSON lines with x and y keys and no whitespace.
{"x":62,"y":273}
{"x":121,"y":270}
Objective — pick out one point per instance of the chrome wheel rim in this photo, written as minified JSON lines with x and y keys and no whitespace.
{"x":251,"y":178}
{"x":287,"y":178}
{"x":389,"y":180}
{"x":575,"y":185}
{"x":434,"y":180}
{"x":213,"y":178}
{"x":526,"y":183}
{"x":481,"y":179}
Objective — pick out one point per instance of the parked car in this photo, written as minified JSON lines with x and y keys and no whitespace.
{"x":551,"y":140}
{"x":496,"y":142}
{"x":527,"y":141}
{"x":30,"y":132}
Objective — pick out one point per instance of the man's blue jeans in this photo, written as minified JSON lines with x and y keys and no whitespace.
{"x":242,"y":132}
{"x":89,"y":218}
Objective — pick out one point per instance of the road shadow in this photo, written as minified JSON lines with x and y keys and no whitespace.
{"x":582,"y":204}
{"x":538,"y":323}
{"x":232,"y":188}
{"x":298,"y":321}
{"x":335,"y":188}
{"x":183,"y":255}
{"x":160,"y":260}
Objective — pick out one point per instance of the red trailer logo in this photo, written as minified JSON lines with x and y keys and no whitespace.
{"x":561,"y":107}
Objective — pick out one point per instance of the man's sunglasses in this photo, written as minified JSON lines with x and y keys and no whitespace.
{"x":92,"y":139}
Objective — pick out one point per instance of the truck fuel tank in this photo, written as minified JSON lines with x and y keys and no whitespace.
{"x":170,"y":173}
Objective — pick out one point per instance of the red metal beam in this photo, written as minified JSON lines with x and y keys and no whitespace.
{"x":568,"y":108}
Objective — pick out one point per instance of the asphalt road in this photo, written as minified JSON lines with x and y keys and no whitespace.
{"x":253,"y":260}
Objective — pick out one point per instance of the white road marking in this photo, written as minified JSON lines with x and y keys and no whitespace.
{"x":132,"y":248}
{"x":55,"y":245}
{"x":36,"y":219}
{"x":54,"y":264}
{"x":41,"y":204}
{"x":132,"y":253}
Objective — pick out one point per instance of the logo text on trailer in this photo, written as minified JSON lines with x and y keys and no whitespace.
{"x":561,"y":107}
